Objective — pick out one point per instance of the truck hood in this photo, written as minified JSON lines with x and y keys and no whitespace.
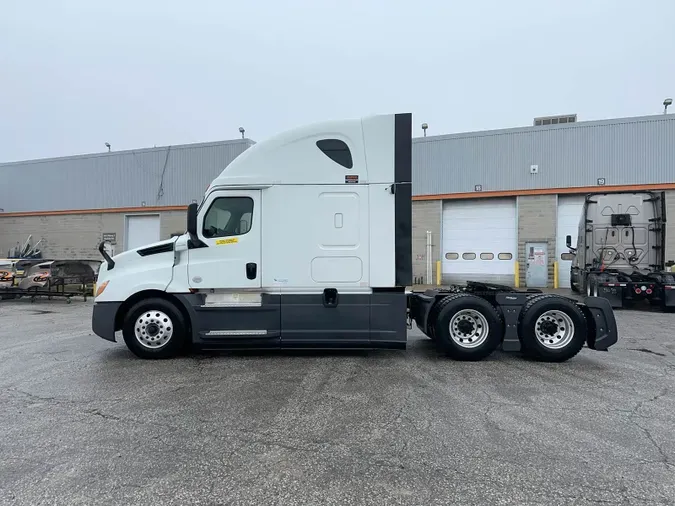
{"x":149,"y":267}
{"x":160,"y":252}
{"x":148,"y":250}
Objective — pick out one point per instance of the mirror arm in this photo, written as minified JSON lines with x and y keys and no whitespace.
{"x":196,"y":242}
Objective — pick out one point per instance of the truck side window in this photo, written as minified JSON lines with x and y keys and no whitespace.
{"x":336,"y":150}
{"x":228,"y":216}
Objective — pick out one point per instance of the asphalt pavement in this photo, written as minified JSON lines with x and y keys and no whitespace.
{"x":82,"y":421}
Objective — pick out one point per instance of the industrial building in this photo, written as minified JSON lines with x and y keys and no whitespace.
{"x":492,"y":205}
{"x":130,"y":198}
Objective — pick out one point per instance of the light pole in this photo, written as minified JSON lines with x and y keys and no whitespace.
{"x":242,"y":131}
{"x":424,"y":128}
{"x":666,"y":103}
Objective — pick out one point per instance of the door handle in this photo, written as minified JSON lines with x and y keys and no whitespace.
{"x":251,"y":270}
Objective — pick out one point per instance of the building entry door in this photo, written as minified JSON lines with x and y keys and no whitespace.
{"x":537,"y":264}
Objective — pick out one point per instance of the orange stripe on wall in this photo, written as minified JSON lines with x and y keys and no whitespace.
{"x":442,"y":196}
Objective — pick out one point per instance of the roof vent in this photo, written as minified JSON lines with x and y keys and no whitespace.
{"x":555,"y":120}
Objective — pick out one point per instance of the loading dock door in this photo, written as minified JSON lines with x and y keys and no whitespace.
{"x":141,"y":229}
{"x":480,"y":240}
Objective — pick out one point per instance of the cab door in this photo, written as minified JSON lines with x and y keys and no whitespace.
{"x":229,"y":228}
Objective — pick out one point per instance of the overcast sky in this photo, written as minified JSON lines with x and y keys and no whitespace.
{"x":77,"y":74}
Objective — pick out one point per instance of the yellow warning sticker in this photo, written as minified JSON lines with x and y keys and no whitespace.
{"x":229,"y":240}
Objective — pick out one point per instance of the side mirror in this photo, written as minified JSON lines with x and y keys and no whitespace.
{"x":568,"y":241}
{"x":567,"y":256}
{"x":192,"y":220}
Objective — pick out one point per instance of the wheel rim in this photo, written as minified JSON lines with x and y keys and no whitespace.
{"x":153,"y":329}
{"x":554,"y":329}
{"x":469,"y":328}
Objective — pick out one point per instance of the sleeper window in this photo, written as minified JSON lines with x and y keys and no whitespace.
{"x":228,"y":216}
{"x":336,"y":150}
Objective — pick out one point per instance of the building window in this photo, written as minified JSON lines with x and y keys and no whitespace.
{"x":336,"y":150}
{"x":487,"y":256}
{"x":451,"y":256}
{"x":505,"y":256}
{"x":469,"y":256}
{"x":228,"y":216}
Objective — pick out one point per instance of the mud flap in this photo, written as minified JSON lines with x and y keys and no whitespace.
{"x":602,"y":330}
{"x":614,"y":294}
{"x":669,"y":295}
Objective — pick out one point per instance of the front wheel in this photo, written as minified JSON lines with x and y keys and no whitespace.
{"x":467,"y":327}
{"x":154,"y":329}
{"x":552,"y":328}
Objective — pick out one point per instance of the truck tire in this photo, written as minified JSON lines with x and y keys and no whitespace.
{"x":592,"y":285}
{"x":551,"y":328}
{"x":668,"y":279}
{"x":573,"y":286}
{"x":467,"y":327}
{"x":154,"y":329}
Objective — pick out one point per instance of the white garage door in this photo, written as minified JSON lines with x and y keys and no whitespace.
{"x":569,"y":214}
{"x":141,"y":230}
{"x":480,"y":240}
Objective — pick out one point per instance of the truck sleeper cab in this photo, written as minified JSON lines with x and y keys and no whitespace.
{"x":305,"y":241}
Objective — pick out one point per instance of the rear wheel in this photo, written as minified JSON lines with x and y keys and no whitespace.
{"x":592,"y":285}
{"x":154,"y":328}
{"x":467,"y":327}
{"x":573,"y":285}
{"x":552,"y":328}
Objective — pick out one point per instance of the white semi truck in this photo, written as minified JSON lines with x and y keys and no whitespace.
{"x":305,"y":241}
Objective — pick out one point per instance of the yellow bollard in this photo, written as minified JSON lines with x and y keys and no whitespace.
{"x":555,"y":275}
{"x":516,"y":274}
{"x":438,"y":273}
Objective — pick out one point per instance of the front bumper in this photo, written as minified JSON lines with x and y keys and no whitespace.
{"x":103,"y":319}
{"x":603,"y":331}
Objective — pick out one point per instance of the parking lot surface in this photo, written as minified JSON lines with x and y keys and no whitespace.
{"x":85,"y":422}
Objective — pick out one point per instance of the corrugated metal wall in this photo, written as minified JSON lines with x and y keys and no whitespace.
{"x":625,"y":151}
{"x":158,"y":176}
